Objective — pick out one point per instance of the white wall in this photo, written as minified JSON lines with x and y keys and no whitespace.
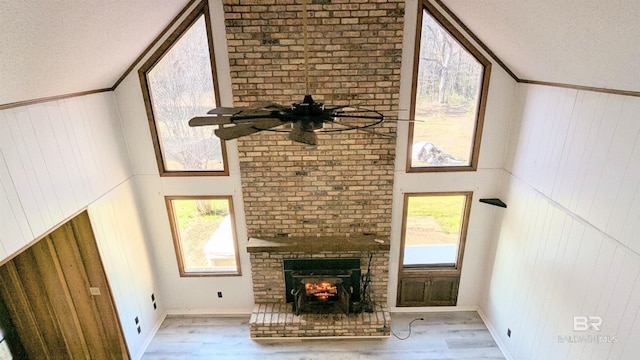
{"x":116,"y":221}
{"x":59,"y":157}
{"x":569,"y":241}
{"x":485,"y":182}
{"x":186,"y":294}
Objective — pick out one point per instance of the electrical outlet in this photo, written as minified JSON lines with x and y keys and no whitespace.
{"x":508,"y":332}
{"x":219,"y":294}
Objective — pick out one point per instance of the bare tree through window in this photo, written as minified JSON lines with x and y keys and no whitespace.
{"x":181,"y":87}
{"x":448,"y":90}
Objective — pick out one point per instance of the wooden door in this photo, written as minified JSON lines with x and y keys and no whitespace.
{"x":58,"y":297}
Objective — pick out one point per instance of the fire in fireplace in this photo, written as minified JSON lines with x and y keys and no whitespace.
{"x":322,"y":285}
{"x":323,"y":290}
{"x":320,"y":295}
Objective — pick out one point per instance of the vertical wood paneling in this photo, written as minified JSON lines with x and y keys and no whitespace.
{"x":107,"y":133}
{"x":73,"y":198}
{"x":574,"y":207}
{"x":21,"y":171}
{"x":54,"y":277}
{"x":565,"y":154}
{"x":51,"y":166}
{"x":93,"y":177}
{"x":67,"y":129}
{"x":33,"y":156}
{"x":561,"y":121}
{"x":105,"y":327}
{"x":11,"y":288}
{"x":121,"y":240}
{"x":598,"y":156}
{"x":15,"y":229}
{"x":629,"y":310}
{"x":57,"y":158}
{"x":616,"y":162}
{"x":589,"y":126}
{"x":45,"y":271}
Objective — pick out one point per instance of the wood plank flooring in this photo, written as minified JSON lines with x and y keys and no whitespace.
{"x":442,"y":335}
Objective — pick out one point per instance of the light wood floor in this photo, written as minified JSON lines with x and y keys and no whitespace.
{"x":450,"y":335}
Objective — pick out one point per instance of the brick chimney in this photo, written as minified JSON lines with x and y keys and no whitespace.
{"x":344,"y":184}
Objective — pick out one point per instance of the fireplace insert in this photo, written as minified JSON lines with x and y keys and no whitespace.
{"x":322,"y":285}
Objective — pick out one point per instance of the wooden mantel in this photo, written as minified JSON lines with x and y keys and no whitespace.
{"x":318,"y":244}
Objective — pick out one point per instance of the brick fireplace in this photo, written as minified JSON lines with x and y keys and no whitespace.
{"x":273,"y":314}
{"x":326,"y":201}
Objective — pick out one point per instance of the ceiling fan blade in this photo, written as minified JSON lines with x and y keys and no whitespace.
{"x":237,"y":131}
{"x":255,"y":114}
{"x":230,"y":110}
{"x":224,"y":110}
{"x":367,"y":130}
{"x":402,"y":120}
{"x":209,"y":120}
{"x":303,"y":136}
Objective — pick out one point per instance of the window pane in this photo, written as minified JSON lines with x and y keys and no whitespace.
{"x":181,"y":87}
{"x":205,"y":235}
{"x":447,"y":97}
{"x":433,"y":230}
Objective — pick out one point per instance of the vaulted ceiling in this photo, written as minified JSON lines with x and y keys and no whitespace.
{"x":52,"y":47}
{"x":56,"y":47}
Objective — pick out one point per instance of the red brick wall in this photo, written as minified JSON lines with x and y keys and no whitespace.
{"x":344,"y":184}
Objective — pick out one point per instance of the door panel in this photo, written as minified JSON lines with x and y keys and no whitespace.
{"x":428,"y":290}
{"x":47,"y":291}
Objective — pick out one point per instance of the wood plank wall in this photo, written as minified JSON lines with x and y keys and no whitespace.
{"x":60,"y":157}
{"x":47,"y":292}
{"x":569,"y":243}
{"x":55,"y":159}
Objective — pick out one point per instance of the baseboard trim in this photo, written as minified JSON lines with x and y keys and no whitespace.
{"x":209,"y":312}
{"x":150,"y":337}
{"x":425,"y":309}
{"x":501,"y":345}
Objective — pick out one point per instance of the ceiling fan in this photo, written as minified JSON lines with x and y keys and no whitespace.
{"x":304,"y":119}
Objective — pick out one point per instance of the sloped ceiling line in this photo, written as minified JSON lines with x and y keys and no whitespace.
{"x":440,"y":3}
{"x":477,"y":40}
{"x":153,"y":43}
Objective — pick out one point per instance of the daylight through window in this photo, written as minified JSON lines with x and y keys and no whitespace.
{"x":448,"y":94}
{"x":180,"y":85}
{"x":204,"y":235}
{"x":433,"y":229}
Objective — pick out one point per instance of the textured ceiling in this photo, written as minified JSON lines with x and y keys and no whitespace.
{"x":56,"y":47}
{"x":581,"y":42}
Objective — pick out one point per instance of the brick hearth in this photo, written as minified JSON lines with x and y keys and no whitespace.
{"x":277,"y":320}
{"x":272,"y":315}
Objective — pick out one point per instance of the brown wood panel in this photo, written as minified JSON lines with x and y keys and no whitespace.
{"x":412,"y":292}
{"x":442,"y":290}
{"x":57,"y":294}
{"x":428,"y":290}
{"x":74,"y":276}
{"x":46,"y":289}
{"x":102,"y":307}
{"x":24,"y":320}
{"x":30,"y":269}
